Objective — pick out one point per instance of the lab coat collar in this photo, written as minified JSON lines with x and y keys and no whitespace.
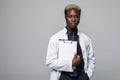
{"x":65,"y":31}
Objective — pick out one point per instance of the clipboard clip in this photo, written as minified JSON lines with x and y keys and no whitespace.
{"x":66,"y":41}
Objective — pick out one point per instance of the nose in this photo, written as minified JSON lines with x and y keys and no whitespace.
{"x":73,"y":19}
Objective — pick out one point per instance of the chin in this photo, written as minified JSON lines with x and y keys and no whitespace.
{"x":72,"y":27}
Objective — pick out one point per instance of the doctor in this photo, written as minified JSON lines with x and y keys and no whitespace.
{"x":81,"y":67}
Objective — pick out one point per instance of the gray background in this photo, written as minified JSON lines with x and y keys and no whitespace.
{"x":27,"y":25}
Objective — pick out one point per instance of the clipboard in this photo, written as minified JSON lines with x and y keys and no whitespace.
{"x":67,"y":49}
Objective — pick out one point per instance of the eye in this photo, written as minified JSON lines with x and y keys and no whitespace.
{"x":69,"y":16}
{"x":76,"y":16}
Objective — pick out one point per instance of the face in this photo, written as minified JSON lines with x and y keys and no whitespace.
{"x":72,"y":18}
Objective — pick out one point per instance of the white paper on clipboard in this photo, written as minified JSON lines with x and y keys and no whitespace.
{"x":67,"y":49}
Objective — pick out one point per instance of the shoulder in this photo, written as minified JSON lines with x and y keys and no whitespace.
{"x":84,"y":38}
{"x":56,"y":36}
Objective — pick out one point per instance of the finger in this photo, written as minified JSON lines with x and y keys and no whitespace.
{"x":75,"y":56}
{"x":78,"y":56}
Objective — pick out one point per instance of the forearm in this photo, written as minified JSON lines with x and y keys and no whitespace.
{"x":91,"y":67}
{"x":60,"y":65}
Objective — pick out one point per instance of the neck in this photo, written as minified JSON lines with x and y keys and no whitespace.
{"x":72,"y":29}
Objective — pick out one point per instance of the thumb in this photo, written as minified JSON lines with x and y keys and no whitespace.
{"x":78,"y":56}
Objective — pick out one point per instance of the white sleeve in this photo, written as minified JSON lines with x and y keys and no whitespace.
{"x":52,"y":60}
{"x":91,"y":60}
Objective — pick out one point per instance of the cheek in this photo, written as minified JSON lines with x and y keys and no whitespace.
{"x":68,"y":20}
{"x":77,"y":20}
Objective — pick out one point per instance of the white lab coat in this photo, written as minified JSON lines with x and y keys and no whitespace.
{"x":58,"y":65}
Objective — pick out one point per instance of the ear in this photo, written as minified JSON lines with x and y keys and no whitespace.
{"x":65,"y":17}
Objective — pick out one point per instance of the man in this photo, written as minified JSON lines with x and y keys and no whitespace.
{"x":81,"y":67}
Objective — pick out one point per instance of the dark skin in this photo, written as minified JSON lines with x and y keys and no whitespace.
{"x":72,"y":20}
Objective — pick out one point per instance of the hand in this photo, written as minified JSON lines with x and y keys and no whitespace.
{"x":76,"y":60}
